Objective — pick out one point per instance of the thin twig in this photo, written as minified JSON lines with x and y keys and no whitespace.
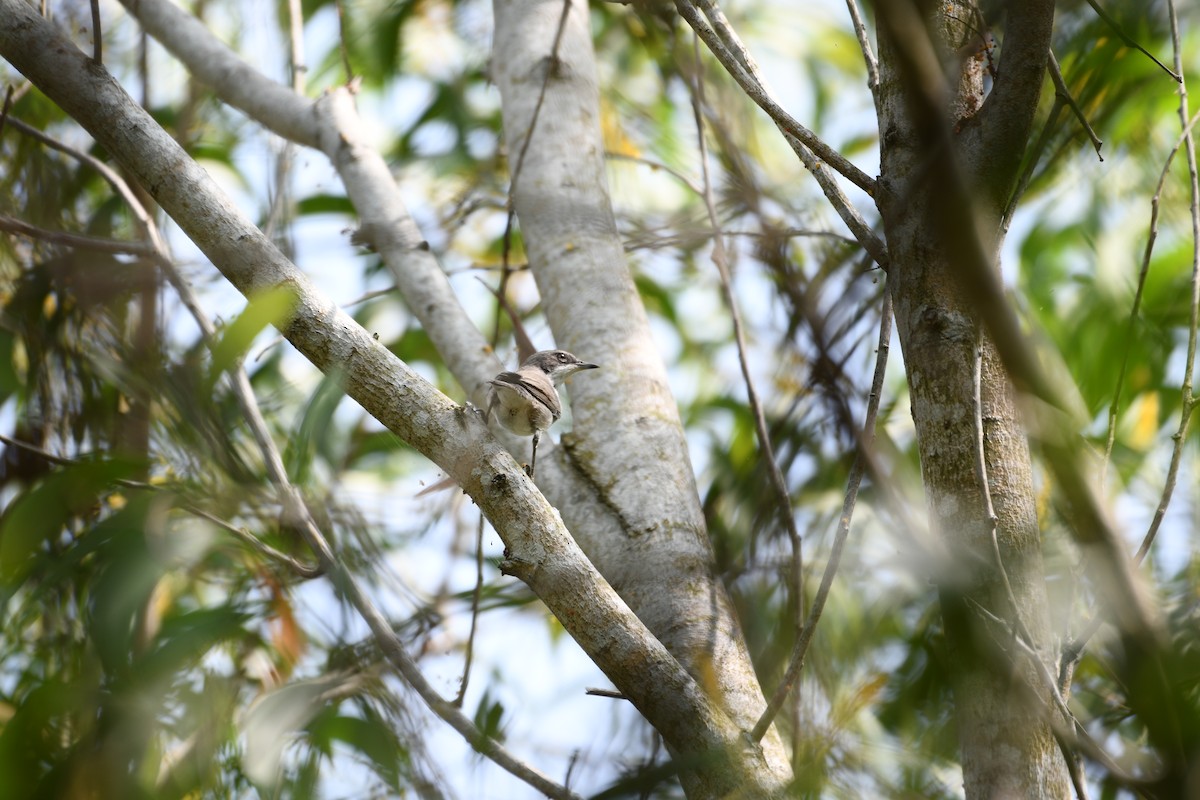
{"x":1187,"y":402}
{"x":1020,"y":632}
{"x":279,"y":206}
{"x":8,"y":101}
{"x":658,"y":165}
{"x":1151,"y":239}
{"x":1062,"y":92}
{"x":342,"y":48}
{"x":13,"y":225}
{"x":1033,"y":157}
{"x":1073,"y":650}
{"x":862,"y":460}
{"x":97,"y":45}
{"x":821,"y":172}
{"x":724,"y":43}
{"x":1143,"y":273}
{"x":511,"y":208}
{"x":1075,"y":735}
{"x":1129,"y":42}
{"x":119,"y":185}
{"x":475,"y":596}
{"x":864,"y":44}
{"x":303,"y":570}
{"x":720,"y":257}
{"x":981,"y":477}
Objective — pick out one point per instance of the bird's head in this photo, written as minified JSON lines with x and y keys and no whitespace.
{"x":557,"y":365}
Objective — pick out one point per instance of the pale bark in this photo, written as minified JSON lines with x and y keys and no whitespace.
{"x":331,"y":125}
{"x":542,"y":552}
{"x":1008,"y":750}
{"x":627,"y":446}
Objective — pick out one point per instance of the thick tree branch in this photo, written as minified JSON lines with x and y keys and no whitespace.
{"x":996,"y":142}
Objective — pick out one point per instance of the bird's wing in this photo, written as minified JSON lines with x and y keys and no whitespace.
{"x":543,"y":391}
{"x":507,"y":377}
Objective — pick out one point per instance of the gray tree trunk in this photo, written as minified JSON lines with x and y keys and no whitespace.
{"x":949,"y":158}
{"x":623,"y":479}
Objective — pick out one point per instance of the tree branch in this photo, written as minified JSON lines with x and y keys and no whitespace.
{"x":724,"y":43}
{"x":996,"y":141}
{"x":331,"y":125}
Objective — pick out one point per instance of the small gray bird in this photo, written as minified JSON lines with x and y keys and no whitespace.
{"x":526,"y":402}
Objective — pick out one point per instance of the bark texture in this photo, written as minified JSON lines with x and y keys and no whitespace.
{"x":945,"y":175}
{"x":627,"y":452}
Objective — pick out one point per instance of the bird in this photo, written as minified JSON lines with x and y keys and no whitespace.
{"x":526,"y":402}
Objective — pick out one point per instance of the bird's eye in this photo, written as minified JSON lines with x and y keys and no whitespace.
{"x":562,"y":357}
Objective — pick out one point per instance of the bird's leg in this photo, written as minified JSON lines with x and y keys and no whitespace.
{"x":533,"y":457}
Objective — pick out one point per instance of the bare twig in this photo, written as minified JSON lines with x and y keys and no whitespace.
{"x":120,"y":186}
{"x":658,"y":165}
{"x":1187,"y":401}
{"x":981,"y":477}
{"x":720,"y":257}
{"x":1061,"y":92}
{"x":279,"y":207}
{"x":8,"y":101}
{"x":1129,"y":42}
{"x":511,"y":209}
{"x":475,"y":595}
{"x":303,"y":570}
{"x":864,"y":43}
{"x":863,"y":233}
{"x":97,"y":45}
{"x":1020,"y":632}
{"x":1151,"y":239}
{"x":724,"y":43}
{"x":862,"y":461}
{"x":1073,"y":734}
{"x":1033,"y":157}
{"x":1073,"y":651}
{"x":342,"y":48}
{"x":816,"y":161}
{"x":13,"y":225}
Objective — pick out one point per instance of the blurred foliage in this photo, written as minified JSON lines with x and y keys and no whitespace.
{"x":145,"y":651}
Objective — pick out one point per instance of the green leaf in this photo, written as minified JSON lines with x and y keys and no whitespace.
{"x":315,"y":427}
{"x":371,"y":737}
{"x":488,"y":716}
{"x":185,"y":638}
{"x":40,"y":515}
{"x":325,"y":204}
{"x":272,"y":307}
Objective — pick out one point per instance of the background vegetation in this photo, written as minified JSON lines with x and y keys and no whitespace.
{"x":164,"y":633}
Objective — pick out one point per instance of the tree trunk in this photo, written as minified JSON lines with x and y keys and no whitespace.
{"x":623,"y":480}
{"x":942,"y":186}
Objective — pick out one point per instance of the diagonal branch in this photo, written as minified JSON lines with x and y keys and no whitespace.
{"x":1176,"y":73}
{"x":1062,"y":93}
{"x":332,"y":126}
{"x":724,"y":43}
{"x":720,"y":257}
{"x":864,"y":44}
{"x":861,"y":464}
